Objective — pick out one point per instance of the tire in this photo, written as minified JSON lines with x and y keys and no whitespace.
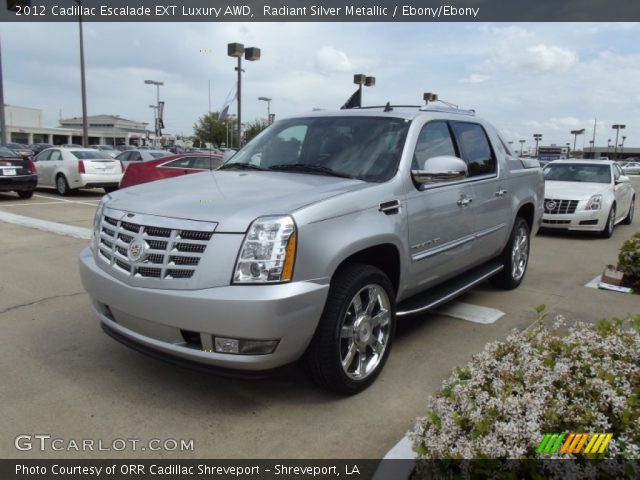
{"x":348,"y":351}
{"x":25,"y":194}
{"x":62,"y":186}
{"x":629,"y":218}
{"x":109,"y":189}
{"x":514,"y":257}
{"x":607,"y":231}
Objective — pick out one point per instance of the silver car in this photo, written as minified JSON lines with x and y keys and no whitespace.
{"x":68,"y":169}
{"x":140,"y":155}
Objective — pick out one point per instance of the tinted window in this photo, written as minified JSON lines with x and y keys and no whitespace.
{"x":575,"y":172}
{"x":154,"y":155}
{"x":205,"y":163}
{"x":474,"y":148}
{"x":44,"y":155}
{"x":179,"y":163}
{"x":434,"y":140}
{"x":6,"y":153}
{"x":89,"y":154}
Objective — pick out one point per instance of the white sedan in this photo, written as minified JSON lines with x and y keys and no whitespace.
{"x":67,"y":169}
{"x":590,"y":195}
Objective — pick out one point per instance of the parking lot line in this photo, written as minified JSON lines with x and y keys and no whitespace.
{"x":59,"y":228}
{"x":69,"y":201}
{"x":23,"y":204}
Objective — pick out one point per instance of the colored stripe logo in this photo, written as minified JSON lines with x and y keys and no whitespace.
{"x":574,"y":443}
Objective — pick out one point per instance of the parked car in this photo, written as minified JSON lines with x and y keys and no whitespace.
{"x":17,"y":174}
{"x":588,"y":195}
{"x":70,"y":145}
{"x":123,"y":148}
{"x":312,"y":240}
{"x":107,"y":149}
{"x":20,"y":149}
{"x":140,"y":155}
{"x":167,"y":167}
{"x":38,"y":147}
{"x":67,"y":169}
{"x":631,"y":168}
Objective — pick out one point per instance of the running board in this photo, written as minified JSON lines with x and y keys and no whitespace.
{"x":449,"y":290}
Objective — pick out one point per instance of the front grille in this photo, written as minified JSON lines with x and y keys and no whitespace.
{"x":559,"y":207}
{"x":168,"y":253}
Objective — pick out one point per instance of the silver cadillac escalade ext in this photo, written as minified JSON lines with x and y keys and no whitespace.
{"x":313,"y":240}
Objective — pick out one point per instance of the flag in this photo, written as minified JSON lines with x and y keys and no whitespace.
{"x":233,"y":94}
{"x":353,"y":102}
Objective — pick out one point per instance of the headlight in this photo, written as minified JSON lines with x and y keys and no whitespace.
{"x":268,"y":251}
{"x":95,"y":235}
{"x":594,"y":203}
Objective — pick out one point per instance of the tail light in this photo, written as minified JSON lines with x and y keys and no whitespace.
{"x":81,"y":166}
{"x":31,"y":167}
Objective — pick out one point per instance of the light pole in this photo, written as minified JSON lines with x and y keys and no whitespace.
{"x":568,"y":144}
{"x":251,"y":54}
{"x":83,"y":84}
{"x":608,"y":147}
{"x":361,"y":79}
{"x":591,"y":148}
{"x":156,"y":110}
{"x":617,"y":127}
{"x":521,"y":146}
{"x":537,"y":137}
{"x":575,"y":134}
{"x":622,"y":145}
{"x":268,"y":100}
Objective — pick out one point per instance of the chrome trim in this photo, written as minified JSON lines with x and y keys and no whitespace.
{"x":456,"y":243}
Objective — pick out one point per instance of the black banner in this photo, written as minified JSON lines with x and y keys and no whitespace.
{"x":325,"y":11}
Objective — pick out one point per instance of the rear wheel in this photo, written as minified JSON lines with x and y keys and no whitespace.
{"x":62,"y":186}
{"x":25,"y":193}
{"x":353,"y":340}
{"x":629,"y":218}
{"x":607,"y":231}
{"x":514,"y":257}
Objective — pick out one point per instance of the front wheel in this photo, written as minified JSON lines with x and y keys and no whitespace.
{"x":607,"y":231}
{"x":514,"y":257}
{"x":353,"y":339}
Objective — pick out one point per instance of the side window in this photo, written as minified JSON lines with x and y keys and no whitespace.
{"x":206,"y":163}
{"x":55,"y":155}
{"x":434,"y":140}
{"x":44,"y":156}
{"x":616,"y":172}
{"x":179,"y":163}
{"x":124,"y":156}
{"x":474,"y":148}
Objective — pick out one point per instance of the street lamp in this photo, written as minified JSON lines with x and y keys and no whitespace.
{"x":157,"y":120}
{"x":622,"y":146}
{"x":361,"y":79}
{"x":83,"y":84}
{"x":252,"y":54}
{"x":617,"y":127}
{"x":591,"y":148}
{"x":268,"y":100}
{"x":575,"y":134}
{"x":521,"y":146}
{"x":537,"y":137}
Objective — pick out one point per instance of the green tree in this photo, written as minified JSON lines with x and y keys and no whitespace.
{"x":254,"y":128}
{"x":209,"y":129}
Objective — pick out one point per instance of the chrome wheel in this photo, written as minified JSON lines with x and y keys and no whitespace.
{"x":365,"y":331}
{"x":520,"y":254}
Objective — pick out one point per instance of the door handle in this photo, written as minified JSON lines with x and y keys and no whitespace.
{"x":501,"y":193}
{"x":464,"y":201}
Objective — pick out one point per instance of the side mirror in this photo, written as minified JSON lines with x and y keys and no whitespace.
{"x":623,"y":179}
{"x":440,"y":169}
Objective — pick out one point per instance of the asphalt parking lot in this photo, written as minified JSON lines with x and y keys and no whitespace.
{"x":65,"y":378}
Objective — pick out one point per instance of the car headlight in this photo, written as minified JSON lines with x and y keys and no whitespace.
{"x":95,"y":233}
{"x":594,"y":203}
{"x":268,"y":251}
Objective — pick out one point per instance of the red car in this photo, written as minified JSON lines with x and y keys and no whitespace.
{"x":167,"y":167}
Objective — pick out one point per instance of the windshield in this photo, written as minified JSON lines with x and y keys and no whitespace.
{"x":575,"y":172}
{"x":6,"y":153}
{"x":89,"y":155}
{"x":366,"y":148}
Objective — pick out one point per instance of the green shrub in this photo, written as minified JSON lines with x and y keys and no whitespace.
{"x":629,"y":262}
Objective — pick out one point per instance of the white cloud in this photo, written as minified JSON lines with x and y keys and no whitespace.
{"x":332,"y":60}
{"x":476,"y":78}
{"x":547,"y":59}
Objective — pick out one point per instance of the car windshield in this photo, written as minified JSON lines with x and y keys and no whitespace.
{"x":576,"y":172}
{"x":89,"y":155}
{"x":159,"y":154}
{"x":6,"y":153}
{"x":366,"y":148}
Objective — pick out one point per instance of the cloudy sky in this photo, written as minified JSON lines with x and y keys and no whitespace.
{"x":544,"y":78}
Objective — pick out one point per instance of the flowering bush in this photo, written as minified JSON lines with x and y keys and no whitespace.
{"x":629,"y":262}
{"x":535,"y":382}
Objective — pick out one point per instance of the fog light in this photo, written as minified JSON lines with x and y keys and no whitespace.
{"x":244,"y":347}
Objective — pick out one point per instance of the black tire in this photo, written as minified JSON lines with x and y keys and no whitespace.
{"x":629,"y":218}
{"x":62,"y":186}
{"x":330,"y":346}
{"x":607,"y":231}
{"x":514,"y":257}
{"x":109,"y":189}
{"x":25,"y":194}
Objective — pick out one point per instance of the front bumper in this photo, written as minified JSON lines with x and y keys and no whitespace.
{"x":18,"y":183}
{"x":585,"y":220}
{"x":157,"y":319}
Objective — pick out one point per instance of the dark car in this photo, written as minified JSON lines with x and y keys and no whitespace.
{"x":17,"y":174}
{"x":38,"y":147}
{"x":167,"y":167}
{"x":20,"y":149}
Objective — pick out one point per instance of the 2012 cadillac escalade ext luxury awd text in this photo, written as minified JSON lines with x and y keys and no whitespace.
{"x":313,"y":240}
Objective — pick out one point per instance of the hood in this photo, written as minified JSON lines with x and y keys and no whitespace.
{"x":572,"y":190}
{"x":232,"y":199}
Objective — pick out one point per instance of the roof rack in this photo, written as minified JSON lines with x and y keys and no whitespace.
{"x":386,"y":106}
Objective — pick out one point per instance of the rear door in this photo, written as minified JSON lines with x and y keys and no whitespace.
{"x":44,"y":166}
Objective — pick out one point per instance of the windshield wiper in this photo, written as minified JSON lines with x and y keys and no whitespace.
{"x":309,"y":168}
{"x":240,"y":166}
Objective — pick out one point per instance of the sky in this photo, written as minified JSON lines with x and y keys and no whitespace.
{"x":525,"y":78}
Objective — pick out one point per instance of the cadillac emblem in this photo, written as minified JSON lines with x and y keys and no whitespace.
{"x":551,"y":206}
{"x":136,"y":249}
